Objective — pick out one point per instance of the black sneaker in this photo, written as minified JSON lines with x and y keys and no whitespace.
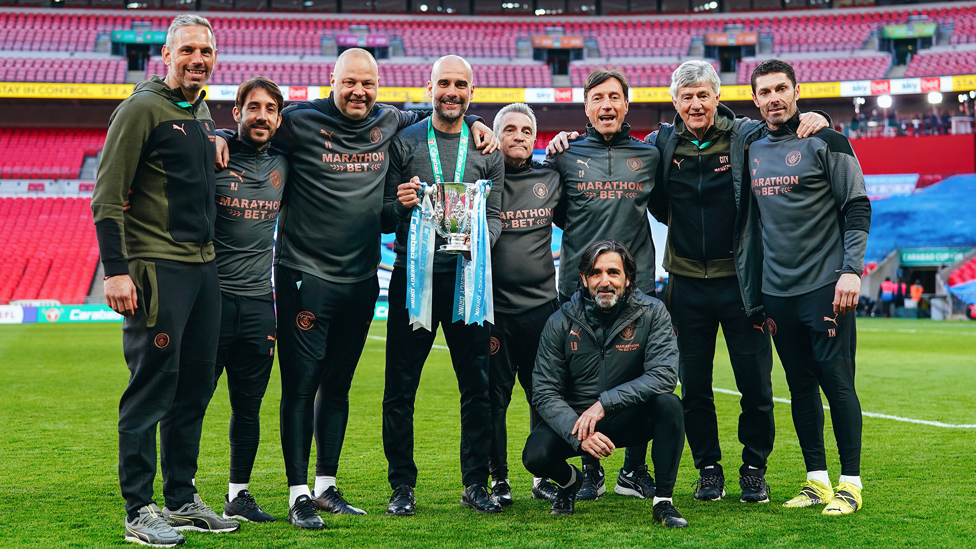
{"x":754,"y":487}
{"x":333,"y":502}
{"x":594,"y":485}
{"x":501,"y":490}
{"x":666,"y":514}
{"x":638,"y":483}
{"x":303,"y":514}
{"x":243,"y":507}
{"x":546,"y":489}
{"x":199,"y":517}
{"x":710,"y":486}
{"x":402,"y":502}
{"x":476,"y":497}
{"x":565,"y":501}
{"x":149,"y":527}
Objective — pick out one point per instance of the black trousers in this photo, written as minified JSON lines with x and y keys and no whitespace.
{"x":817,"y":350}
{"x":698,"y":306}
{"x":634,"y":456}
{"x":406,"y":352}
{"x":660,"y":419}
{"x":170,"y":346}
{"x":514,"y":344}
{"x":246,"y":351}
{"x":321,"y":336}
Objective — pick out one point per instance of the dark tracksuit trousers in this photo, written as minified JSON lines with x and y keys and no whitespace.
{"x":170,"y":346}
{"x":661,"y":419}
{"x":634,"y":456}
{"x":246,"y":352}
{"x":514,"y":344}
{"x":698,"y":306}
{"x":321,"y":336}
{"x":407,"y":350}
{"x":817,"y":350}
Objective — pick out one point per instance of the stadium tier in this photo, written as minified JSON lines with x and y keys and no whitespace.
{"x":938,"y":63}
{"x":50,"y":250}
{"x":63,"y":69}
{"x":965,"y":273}
{"x":827,"y":69}
{"x":47,"y":153}
{"x":639,"y":75}
{"x":536,"y":75}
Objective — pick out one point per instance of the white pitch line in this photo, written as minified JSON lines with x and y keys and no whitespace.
{"x":441,"y":347}
{"x":922,"y":332}
{"x":870,"y":414}
{"x":787,"y":401}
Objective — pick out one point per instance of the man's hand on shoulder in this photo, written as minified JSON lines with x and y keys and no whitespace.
{"x":598,"y":445}
{"x":223,"y":154}
{"x":484,"y":138}
{"x":846,"y":292}
{"x":810,"y":123}
{"x":560,"y":142}
{"x":120,"y":294}
{"x":586,"y":424}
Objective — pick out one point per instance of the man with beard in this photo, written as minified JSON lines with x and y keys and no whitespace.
{"x":815,"y":218}
{"x":326,"y":267}
{"x":161,"y":276}
{"x":436,"y":150}
{"x":604,"y":377}
{"x":714,"y":256}
{"x":524,"y":278}
{"x":248,"y":196}
{"x":607,"y":178}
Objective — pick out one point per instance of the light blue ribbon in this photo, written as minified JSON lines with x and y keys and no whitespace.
{"x":473,"y":299}
{"x":420,"y":260}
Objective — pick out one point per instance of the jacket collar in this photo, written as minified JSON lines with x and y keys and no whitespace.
{"x":623,"y":136}
{"x":724,"y":118}
{"x":789,"y":128}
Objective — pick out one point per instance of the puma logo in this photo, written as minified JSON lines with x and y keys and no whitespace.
{"x":576,"y":333}
{"x":828,"y":319}
{"x":586,"y":163}
{"x":756,"y":161}
{"x":677,"y":162}
{"x":239,"y":177}
{"x":180,"y":127}
{"x":271,"y":338}
{"x":327,"y":134}
{"x":761,"y":328}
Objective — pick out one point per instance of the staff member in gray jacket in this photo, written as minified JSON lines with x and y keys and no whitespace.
{"x":605,"y":376}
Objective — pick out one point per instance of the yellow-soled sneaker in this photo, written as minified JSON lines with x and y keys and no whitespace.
{"x":813,"y":492}
{"x":847,"y":499}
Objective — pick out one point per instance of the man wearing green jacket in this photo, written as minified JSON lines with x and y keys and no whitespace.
{"x":161,"y":276}
{"x":605,"y":377}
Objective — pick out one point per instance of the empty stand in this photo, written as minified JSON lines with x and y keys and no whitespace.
{"x":942,"y":63}
{"x":965,"y":273}
{"x":827,"y":69}
{"x":47,"y":153}
{"x":50,"y":249}
{"x":63,"y":69}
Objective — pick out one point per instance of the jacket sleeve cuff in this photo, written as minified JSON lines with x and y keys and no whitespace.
{"x":116,"y":267}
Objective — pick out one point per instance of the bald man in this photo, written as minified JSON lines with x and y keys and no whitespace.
{"x":436,"y":150}
{"x":325,"y":267}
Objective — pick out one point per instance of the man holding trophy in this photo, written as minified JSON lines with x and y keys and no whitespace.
{"x":427,"y":288}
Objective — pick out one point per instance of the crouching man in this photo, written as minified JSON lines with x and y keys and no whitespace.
{"x":605,"y":377}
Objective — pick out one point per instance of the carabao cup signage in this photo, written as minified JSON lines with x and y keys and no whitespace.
{"x":77,"y":313}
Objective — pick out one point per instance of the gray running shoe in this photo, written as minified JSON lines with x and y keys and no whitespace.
{"x":197,"y":516}
{"x":151,"y":528}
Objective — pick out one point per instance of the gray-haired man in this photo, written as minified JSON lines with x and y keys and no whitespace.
{"x":714,"y":257}
{"x":524,"y":279}
{"x":161,"y":275}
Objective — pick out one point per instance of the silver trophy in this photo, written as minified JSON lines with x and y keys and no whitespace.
{"x":453,"y":214}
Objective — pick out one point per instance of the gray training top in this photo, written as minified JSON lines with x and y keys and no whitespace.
{"x":410,"y":156}
{"x":813,"y":206}
{"x":249,"y":193}
{"x":523,"y":272}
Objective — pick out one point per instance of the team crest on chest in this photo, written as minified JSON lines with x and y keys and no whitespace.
{"x":629,"y":332}
{"x":540,"y":190}
{"x":375,"y":136}
{"x":635,"y":164}
{"x":275,"y":179}
{"x":793,"y":158}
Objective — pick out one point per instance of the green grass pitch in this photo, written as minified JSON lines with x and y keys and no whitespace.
{"x":58,"y":457}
